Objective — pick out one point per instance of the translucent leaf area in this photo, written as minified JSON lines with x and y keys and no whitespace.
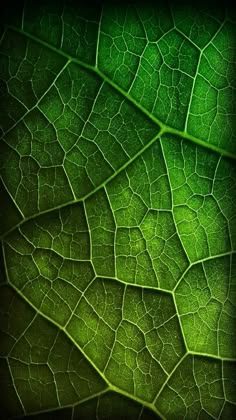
{"x":118,"y":216}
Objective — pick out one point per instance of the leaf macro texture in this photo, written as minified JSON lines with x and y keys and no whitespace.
{"x":118,"y":216}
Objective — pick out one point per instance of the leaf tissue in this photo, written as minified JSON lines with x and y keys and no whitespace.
{"x":118,"y":216}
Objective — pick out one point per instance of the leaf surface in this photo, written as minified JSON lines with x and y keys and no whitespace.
{"x":118,"y":218}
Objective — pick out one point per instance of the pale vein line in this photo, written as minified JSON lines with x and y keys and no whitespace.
{"x":197,"y":74}
{"x":98,"y":38}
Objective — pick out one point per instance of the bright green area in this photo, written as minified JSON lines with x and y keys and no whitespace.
{"x":203,"y":211}
{"x":117,"y":259}
{"x":102,"y":232}
{"x":148,"y":333}
{"x":213,"y":100}
{"x":206,"y":304}
{"x":196,"y":389}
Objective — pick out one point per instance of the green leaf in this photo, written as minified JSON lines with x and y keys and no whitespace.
{"x":118,"y":236}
